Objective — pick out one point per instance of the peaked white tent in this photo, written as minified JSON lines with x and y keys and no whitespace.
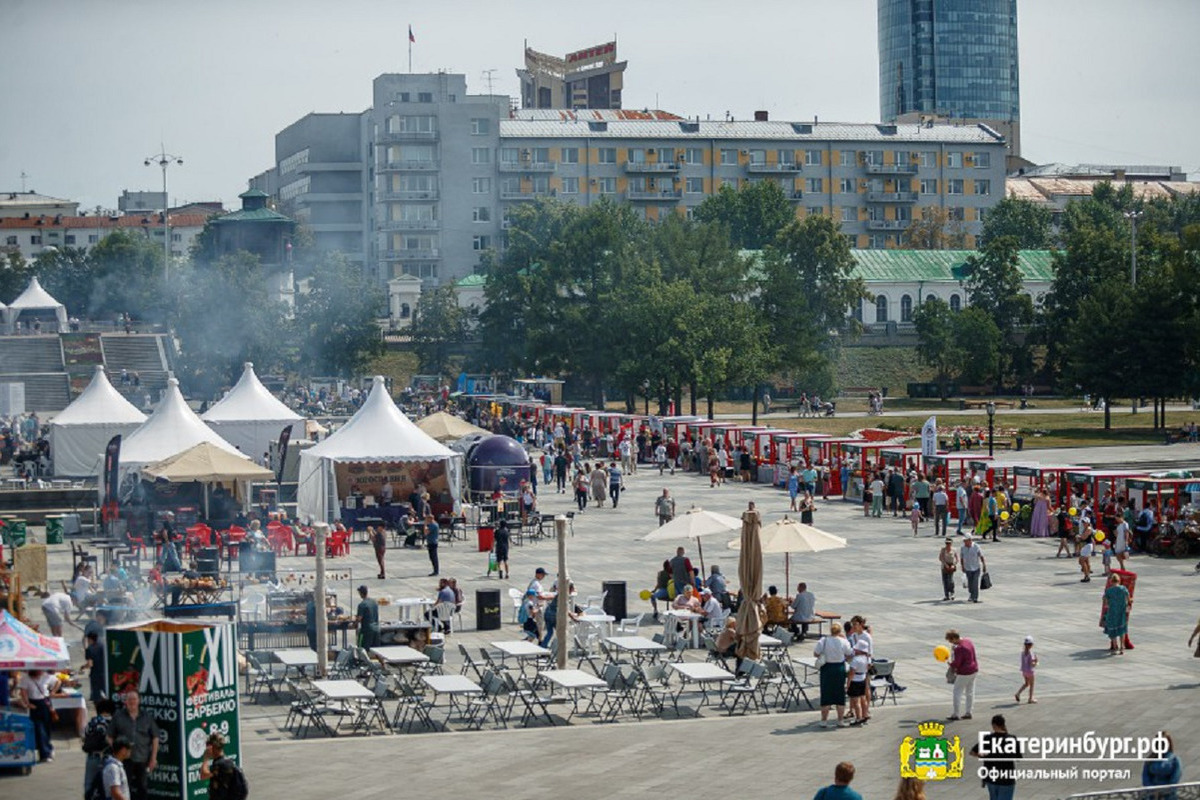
{"x":35,"y":298}
{"x":378,"y":435}
{"x":80,"y":432}
{"x":171,"y":429}
{"x":250,"y":417}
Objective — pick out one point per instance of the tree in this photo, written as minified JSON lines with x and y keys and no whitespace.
{"x":937,"y":344}
{"x":977,"y":345}
{"x":15,"y":273}
{"x":1100,"y":344}
{"x":1027,"y":222}
{"x":67,"y":274}
{"x":754,"y":214}
{"x":935,"y":231}
{"x":439,"y":327}
{"x":995,"y":287}
{"x":337,"y":320}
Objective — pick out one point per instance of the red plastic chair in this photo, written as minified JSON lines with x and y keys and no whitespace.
{"x":338,"y":544}
{"x":136,"y":544}
{"x":281,"y":539}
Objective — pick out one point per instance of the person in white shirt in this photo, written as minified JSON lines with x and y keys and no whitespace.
{"x":660,"y":457}
{"x":627,"y":459}
{"x":804,"y":606}
{"x":82,"y":586}
{"x":1121,"y":540}
{"x":116,"y":782}
{"x":714,"y":615}
{"x":57,"y":608}
{"x":832,"y":652}
{"x":36,"y":687}
{"x":860,"y":632}
{"x":856,"y":682}
{"x":962,"y":498}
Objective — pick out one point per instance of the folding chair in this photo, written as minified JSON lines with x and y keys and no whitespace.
{"x":468,"y":663}
{"x":652,"y":688}
{"x":480,"y":706}
{"x":797,"y":686}
{"x":883,"y":683}
{"x":411,"y":708}
{"x":748,"y":687}
{"x":535,"y":705}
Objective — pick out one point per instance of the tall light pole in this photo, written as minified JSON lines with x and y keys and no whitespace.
{"x":1133,"y":217}
{"x":991,"y":412}
{"x":164,"y":160}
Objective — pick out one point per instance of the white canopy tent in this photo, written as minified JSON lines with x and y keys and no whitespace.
{"x":378,"y":434}
{"x":35,"y":298}
{"x":171,"y":429}
{"x":80,"y":432}
{"x":249,"y":417}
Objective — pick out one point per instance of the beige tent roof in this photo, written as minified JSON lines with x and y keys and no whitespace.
{"x":206,"y":463}
{"x":446,"y":427}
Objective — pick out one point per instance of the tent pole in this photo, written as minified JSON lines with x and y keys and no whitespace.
{"x":700,"y":550}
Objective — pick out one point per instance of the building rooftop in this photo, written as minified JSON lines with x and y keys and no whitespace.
{"x":568,"y":124}
{"x":592,"y":114}
{"x":1044,"y":190}
{"x":30,"y":198}
{"x":124,"y":221}
{"x":939,"y":266}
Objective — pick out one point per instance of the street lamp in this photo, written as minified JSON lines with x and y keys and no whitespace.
{"x":164,"y":160}
{"x":991,"y":412}
{"x":1133,"y":217}
{"x":646,"y":393}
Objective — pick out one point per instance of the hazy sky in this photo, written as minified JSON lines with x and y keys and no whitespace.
{"x":89,"y":88}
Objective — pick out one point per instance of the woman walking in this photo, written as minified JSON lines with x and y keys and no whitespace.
{"x":1029,"y":662}
{"x":599,"y":484}
{"x":1039,"y":522}
{"x":832,"y":652}
{"x":966,"y":668}
{"x":793,"y":487}
{"x":1117,"y":601}
{"x":581,"y":490}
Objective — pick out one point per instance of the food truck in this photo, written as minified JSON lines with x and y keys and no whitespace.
{"x":1050,"y":477}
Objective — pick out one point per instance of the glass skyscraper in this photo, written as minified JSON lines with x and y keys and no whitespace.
{"x":953,"y":58}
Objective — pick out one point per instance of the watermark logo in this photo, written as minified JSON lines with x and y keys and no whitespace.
{"x":931,"y":756}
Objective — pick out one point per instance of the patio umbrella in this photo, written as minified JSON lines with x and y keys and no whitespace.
{"x":749,"y":623}
{"x":446,"y":427}
{"x":22,"y":648}
{"x":695,"y":524}
{"x":788,"y":536}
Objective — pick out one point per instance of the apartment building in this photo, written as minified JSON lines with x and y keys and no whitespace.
{"x":31,"y":235}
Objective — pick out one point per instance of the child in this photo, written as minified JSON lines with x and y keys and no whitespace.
{"x":1029,"y":662}
{"x":914,"y":514}
{"x":1106,"y":554}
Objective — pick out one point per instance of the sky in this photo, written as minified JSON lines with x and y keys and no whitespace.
{"x":90,"y":88}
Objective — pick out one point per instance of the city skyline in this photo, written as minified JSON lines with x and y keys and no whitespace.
{"x":91,"y":105}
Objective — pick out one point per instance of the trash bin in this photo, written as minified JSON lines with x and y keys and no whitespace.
{"x":1020,"y":443}
{"x":487,"y":537}
{"x":614,"y":599}
{"x":16,"y":532}
{"x":487,"y":609}
{"x":54,"y":529}
{"x":208,"y":561}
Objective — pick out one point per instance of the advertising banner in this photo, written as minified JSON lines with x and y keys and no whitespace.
{"x":929,"y":435}
{"x":368,"y":477}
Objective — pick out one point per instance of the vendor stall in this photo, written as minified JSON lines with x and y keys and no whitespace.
{"x":22,"y":648}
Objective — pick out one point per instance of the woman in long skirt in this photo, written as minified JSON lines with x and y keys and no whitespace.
{"x":1039,"y":523}
{"x":836,"y":651}
{"x":1116,"y":614}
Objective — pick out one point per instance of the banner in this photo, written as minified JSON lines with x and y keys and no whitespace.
{"x":368,"y":477}
{"x":112,"y":478}
{"x":285,"y":436}
{"x":929,"y":438}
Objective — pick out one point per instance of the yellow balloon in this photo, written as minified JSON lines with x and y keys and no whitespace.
{"x":645,"y":595}
{"x":941,"y":653}
{"x":1072,"y":511}
{"x":1016,"y":506}
{"x":1004,"y":515}
{"x":1099,"y":536}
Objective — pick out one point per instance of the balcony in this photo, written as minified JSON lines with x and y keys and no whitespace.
{"x":891,"y":197}
{"x":527,"y":166}
{"x":795,"y":196}
{"x":408,"y":136}
{"x":891,"y":169}
{"x":409,"y":225}
{"x":666,"y":195}
{"x":888,"y":224}
{"x":423,"y":194}
{"x":773,"y":169}
{"x":658,"y":168}
{"x":410,"y":166}
{"x":522,"y":194}
{"x":421,"y":254}
{"x":505,"y":224}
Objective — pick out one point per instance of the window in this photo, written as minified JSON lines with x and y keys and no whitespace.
{"x":510,"y":186}
{"x":419,"y":270}
{"x":980,"y":213}
{"x":665,"y":211}
{"x":510,"y":155}
{"x":928,"y":158}
{"x":175,"y":237}
{"x":983,"y":187}
{"x":983,"y":161}
{"x":758,"y":156}
{"x":847,"y":186}
{"x":873,"y":157}
{"x":929,"y":186}
{"x":415,"y":124}
{"x":481,"y":185}
{"x":849,"y":214}
{"x":906,"y":308}
{"x":694,"y":186}
{"x":570,"y":185}
{"x":858,"y":311}
{"x":812,"y":158}
{"x":955,"y":303}
{"x":405,"y":311}
{"x":424,"y":97}
{"x":849,"y":158}
{"x":815,"y":211}
{"x":35,"y":239}
{"x":929,"y":298}
{"x":666,"y":155}
{"x":481,"y":155}
{"x":481,"y":214}
{"x":954,"y":186}
{"x":403,"y":97}
{"x":729,"y":157}
{"x":92,"y":238}
{"x":70,"y":238}
{"x":606,"y":185}
{"x":570,"y":155}
{"x":11,"y":241}
{"x":787,"y":157}
{"x":540,"y":155}
{"x":481,"y":126}
{"x":881,"y":309}
{"x":541,"y":184}
{"x":813,"y":185}
{"x":956,"y":214}
{"x":901,"y":158}
{"x":606,"y":155}
{"x":481,"y":242}
{"x":693,"y":155}
{"x":876,"y":242}
{"x":954,"y":160}
{"x":637,"y":155}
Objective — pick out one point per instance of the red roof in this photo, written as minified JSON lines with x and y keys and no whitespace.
{"x":152,"y":220}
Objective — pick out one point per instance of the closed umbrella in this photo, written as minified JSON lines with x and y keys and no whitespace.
{"x":788,"y":536}
{"x":749,"y":623}
{"x":695,"y":524}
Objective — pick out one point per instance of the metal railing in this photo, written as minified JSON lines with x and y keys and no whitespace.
{"x":667,"y":194}
{"x":424,"y":194}
{"x":891,"y":197}
{"x":410,"y":166}
{"x":527,"y":166}
{"x":414,"y":254}
{"x":1178,"y":791}
{"x":646,"y":166}
{"x":891,"y":169}
{"x":888,"y":224}
{"x":408,"y":136}
{"x":774,"y":168}
{"x":409,"y":225}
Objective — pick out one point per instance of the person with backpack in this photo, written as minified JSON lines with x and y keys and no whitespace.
{"x":96,"y":740}
{"x":112,"y":783}
{"x":226,"y":781}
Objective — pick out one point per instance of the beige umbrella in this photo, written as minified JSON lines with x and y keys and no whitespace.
{"x":446,"y":427}
{"x":695,"y":524}
{"x":749,"y":622}
{"x":788,"y":536}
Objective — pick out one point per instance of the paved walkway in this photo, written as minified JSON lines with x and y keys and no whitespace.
{"x":885,"y":574}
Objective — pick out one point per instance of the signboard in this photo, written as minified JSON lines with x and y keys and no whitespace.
{"x":602,"y":53}
{"x":186,"y":674}
{"x":82,"y":349}
{"x":929,"y":438}
{"x":368,"y":477}
{"x":17,"y":748}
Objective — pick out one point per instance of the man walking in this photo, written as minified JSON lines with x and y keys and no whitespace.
{"x":367,"y":618}
{"x":560,"y":471}
{"x":432,"y":532}
{"x":626,"y":450}
{"x":962,"y":498}
{"x":140,"y":729}
{"x":941,"y":510}
{"x":615,"y":483}
{"x":664,"y":507}
{"x":973,"y":563}
{"x":895,"y":490}
{"x":660,"y":457}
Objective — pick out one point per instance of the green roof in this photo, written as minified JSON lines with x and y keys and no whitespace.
{"x":472,"y":281}
{"x":253,"y":193}
{"x":932,"y":266}
{"x":253,"y":215}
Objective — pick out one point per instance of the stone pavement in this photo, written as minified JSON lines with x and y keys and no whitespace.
{"x":885,"y":574}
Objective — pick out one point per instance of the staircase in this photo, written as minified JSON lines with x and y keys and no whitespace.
{"x":24,"y":354}
{"x":140,"y":353}
{"x":46,"y":391}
